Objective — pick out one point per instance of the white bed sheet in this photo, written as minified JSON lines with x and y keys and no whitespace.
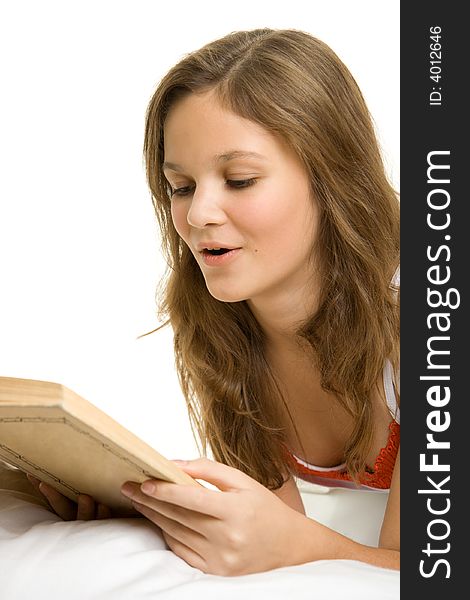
{"x":43,"y":557}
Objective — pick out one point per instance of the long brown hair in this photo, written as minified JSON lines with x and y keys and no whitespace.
{"x":294,"y":86}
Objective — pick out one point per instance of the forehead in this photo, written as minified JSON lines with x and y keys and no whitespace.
{"x":222,"y":158}
{"x":199,"y":129}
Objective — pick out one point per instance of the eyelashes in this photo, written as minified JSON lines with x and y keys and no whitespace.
{"x":235,"y":184}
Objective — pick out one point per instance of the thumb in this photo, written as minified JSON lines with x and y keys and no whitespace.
{"x":222,"y":476}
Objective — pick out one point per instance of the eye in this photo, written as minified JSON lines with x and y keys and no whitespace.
{"x":240,"y":183}
{"x":182,"y":191}
{"x":236,"y":184}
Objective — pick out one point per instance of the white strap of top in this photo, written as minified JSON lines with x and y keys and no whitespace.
{"x":390,"y":382}
{"x":396,"y":278}
{"x":390,"y":385}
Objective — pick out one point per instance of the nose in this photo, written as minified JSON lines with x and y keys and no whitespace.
{"x":205,"y":209}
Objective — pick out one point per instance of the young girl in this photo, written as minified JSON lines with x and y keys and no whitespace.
{"x":281,"y":232}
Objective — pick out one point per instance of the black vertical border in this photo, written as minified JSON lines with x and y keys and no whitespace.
{"x":426,"y":128}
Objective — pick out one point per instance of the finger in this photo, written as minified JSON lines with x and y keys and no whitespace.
{"x":65,"y":508}
{"x":222,"y":476}
{"x":33,"y":481}
{"x":186,"y":536}
{"x":103,"y":512}
{"x":187,"y":554}
{"x":197,"y":521}
{"x":86,"y":508}
{"x":195,"y":498}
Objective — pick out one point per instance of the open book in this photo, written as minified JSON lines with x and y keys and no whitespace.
{"x":50,"y":432}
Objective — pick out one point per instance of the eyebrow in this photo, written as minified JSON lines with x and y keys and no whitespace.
{"x":220,"y":158}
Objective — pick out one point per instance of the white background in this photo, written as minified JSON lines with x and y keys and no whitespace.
{"x":79,"y":247}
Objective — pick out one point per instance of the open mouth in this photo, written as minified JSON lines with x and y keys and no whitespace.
{"x":216,"y":251}
{"x":218,"y":257}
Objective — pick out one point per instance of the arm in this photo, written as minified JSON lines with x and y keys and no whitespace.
{"x":320,"y":542}
{"x":388,"y":552}
{"x":390,"y":532}
{"x":242,"y":527}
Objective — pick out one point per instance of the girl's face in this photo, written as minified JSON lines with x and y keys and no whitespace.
{"x":237,"y":188}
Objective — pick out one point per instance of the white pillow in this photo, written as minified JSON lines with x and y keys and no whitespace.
{"x":43,"y":557}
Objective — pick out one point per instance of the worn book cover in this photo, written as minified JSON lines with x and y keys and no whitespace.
{"x":50,"y":432}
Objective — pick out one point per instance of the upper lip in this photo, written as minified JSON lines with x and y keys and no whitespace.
{"x":211,"y":245}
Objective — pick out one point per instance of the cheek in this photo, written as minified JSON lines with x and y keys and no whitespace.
{"x":179,"y":214}
{"x":280,"y":220}
{"x":277,"y":218}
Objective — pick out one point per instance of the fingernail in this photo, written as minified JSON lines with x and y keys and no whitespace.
{"x":148,"y":487}
{"x":181,"y":463}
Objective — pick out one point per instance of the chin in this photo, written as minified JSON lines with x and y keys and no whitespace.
{"x":224,"y":295}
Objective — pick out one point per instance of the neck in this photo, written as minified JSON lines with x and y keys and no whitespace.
{"x":281,"y":316}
